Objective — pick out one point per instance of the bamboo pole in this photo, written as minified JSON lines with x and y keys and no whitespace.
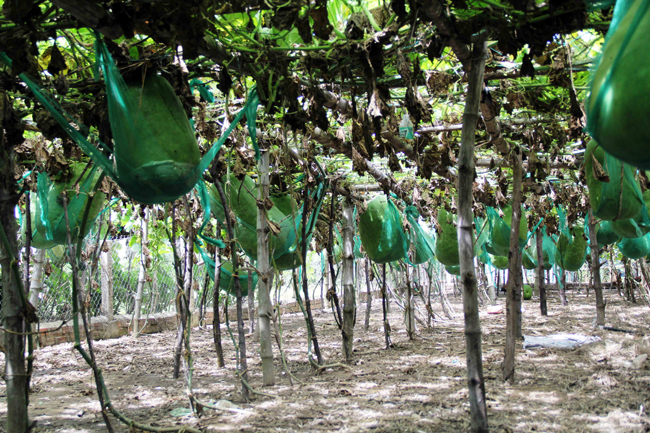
{"x":349,"y":298}
{"x":475,"y":381}
{"x":540,"y":272}
{"x":595,"y":271}
{"x":265,"y":272}
{"x":36,"y":283}
{"x":513,"y":287}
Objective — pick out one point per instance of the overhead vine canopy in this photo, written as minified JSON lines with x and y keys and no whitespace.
{"x":333,"y":77}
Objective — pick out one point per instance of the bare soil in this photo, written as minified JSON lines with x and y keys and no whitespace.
{"x":417,"y":386}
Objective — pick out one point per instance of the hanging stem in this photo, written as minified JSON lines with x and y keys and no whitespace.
{"x":332,"y":296}
{"x":389,"y":344}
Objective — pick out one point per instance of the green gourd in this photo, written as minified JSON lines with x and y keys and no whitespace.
{"x":635,"y":248}
{"x":156,"y":152}
{"x":570,"y":256}
{"x":500,"y":262}
{"x":446,"y":249}
{"x":381,"y":232}
{"x":616,"y":199}
{"x":605,"y":234}
{"x":617,"y":108}
{"x":527,"y":292}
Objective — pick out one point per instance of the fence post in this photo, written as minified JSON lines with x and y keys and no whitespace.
{"x":107,"y":280}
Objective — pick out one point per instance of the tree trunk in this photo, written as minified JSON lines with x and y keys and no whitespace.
{"x":595,"y":271}
{"x":513,"y":287}
{"x":349,"y":298}
{"x":142,"y":276}
{"x":368,"y":294}
{"x":466,"y":172}
{"x":325,"y":281}
{"x":265,"y":273}
{"x":13,"y":320}
{"x":540,"y":273}
{"x":646,"y":277}
{"x":36,"y":284}
{"x":562,"y":288}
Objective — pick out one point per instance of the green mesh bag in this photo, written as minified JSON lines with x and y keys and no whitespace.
{"x":620,"y":197}
{"x":381,"y":232}
{"x":38,"y":240}
{"x":635,"y":248}
{"x":605,"y":234}
{"x":48,"y":218}
{"x":523,"y":226}
{"x":617,"y":106}
{"x":422,"y":243}
{"x":571,"y":252}
{"x":446,"y":249}
{"x":498,"y":243}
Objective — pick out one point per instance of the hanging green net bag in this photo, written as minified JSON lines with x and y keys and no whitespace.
{"x":571,"y":253}
{"x":381,"y":232}
{"x":38,"y":240}
{"x":635,"y":248}
{"x":523,"y":226}
{"x":446,"y":249}
{"x":605,"y":234}
{"x":48,"y":218}
{"x":453,"y":270}
{"x":620,"y":197}
{"x":618,"y":107}
{"x":498,"y":243}
{"x":422,"y":242}
{"x":226,"y":280}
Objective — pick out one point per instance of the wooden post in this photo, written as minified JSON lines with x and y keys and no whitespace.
{"x":266,"y":273}
{"x":142,"y":276}
{"x":349,"y":298}
{"x":539,"y":272}
{"x":513,"y":287}
{"x":466,"y":172}
{"x":409,"y":313}
{"x":216,"y":319}
{"x":595,"y":271}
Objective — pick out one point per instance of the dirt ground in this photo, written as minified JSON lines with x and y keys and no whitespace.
{"x":418,"y":386}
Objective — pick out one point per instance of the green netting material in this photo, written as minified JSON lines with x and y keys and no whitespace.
{"x":571,"y":252}
{"x":204,"y":91}
{"x":617,"y":109}
{"x":150,"y":165}
{"x":446,"y":249}
{"x":46,"y":206}
{"x":635,"y":248}
{"x":381,"y":232}
{"x":422,"y":242}
{"x":619,"y":198}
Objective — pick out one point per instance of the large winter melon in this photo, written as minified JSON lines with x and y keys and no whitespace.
{"x":500,"y":262}
{"x":51,"y":213}
{"x":381,"y":232}
{"x":527,"y":292}
{"x":635,"y":248}
{"x":618,"y":108}
{"x":447,"y":240}
{"x":156,"y":152}
{"x":617,"y":198}
{"x":605,"y":234}
{"x":570,"y":256}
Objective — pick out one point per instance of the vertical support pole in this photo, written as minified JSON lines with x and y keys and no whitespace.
{"x":251,"y":303}
{"x":368,"y":293}
{"x":36,"y":284}
{"x":349,"y":298}
{"x":466,"y":172}
{"x":595,"y":271}
{"x":513,"y":287}
{"x":142,"y":276}
{"x":409,"y":313}
{"x":266,"y":273}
